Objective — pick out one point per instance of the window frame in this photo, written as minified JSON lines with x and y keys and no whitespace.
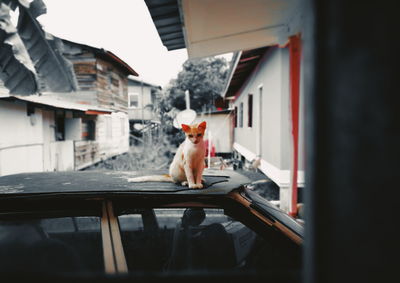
{"x":130,"y":94}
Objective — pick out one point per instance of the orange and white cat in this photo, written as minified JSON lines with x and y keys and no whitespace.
{"x":188,"y":163}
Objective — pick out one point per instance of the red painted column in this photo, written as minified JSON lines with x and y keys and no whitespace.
{"x":294,"y":61}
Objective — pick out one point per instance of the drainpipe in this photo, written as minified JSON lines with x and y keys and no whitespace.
{"x":294,"y":58}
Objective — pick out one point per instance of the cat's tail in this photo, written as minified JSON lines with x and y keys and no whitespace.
{"x":154,"y":178}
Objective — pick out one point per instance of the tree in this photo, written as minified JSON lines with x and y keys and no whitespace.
{"x":204,"y":78}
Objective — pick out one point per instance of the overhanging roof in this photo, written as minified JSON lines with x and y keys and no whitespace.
{"x":243,"y":64}
{"x":167,"y":19}
{"x":210,"y":27}
{"x":60,"y":104}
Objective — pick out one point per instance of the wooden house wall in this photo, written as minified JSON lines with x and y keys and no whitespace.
{"x":102,"y":82}
{"x":112,"y":86}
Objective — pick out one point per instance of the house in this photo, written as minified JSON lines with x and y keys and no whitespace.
{"x":258,"y":90}
{"x":44,"y":135}
{"x":142,"y":102}
{"x":69,"y":131}
{"x":103,"y":81}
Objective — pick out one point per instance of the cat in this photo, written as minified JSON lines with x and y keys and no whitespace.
{"x":188,"y":164}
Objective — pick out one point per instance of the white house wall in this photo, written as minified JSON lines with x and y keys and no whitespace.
{"x":48,"y":138}
{"x":112,"y":134}
{"x":272,"y":75}
{"x":269,"y":77}
{"x":21,"y":139}
{"x":62,"y":155}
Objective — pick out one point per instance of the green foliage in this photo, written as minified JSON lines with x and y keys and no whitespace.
{"x":204,"y":78}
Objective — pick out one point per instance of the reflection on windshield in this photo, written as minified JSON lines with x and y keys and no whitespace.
{"x":177,"y":239}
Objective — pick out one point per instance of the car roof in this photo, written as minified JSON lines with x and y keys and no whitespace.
{"x":217,"y":182}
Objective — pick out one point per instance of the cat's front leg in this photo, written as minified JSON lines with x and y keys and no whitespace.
{"x":199,"y":175}
{"x":189,"y":176}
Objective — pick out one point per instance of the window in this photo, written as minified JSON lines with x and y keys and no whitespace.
{"x":133,"y":100}
{"x":250,"y":111}
{"x":241,"y":115}
{"x":59,"y":244}
{"x":235,"y":121}
{"x":88,"y":130}
{"x":60,"y":125}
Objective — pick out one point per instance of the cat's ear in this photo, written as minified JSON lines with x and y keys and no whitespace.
{"x":203,"y":125}
{"x":185,"y":128}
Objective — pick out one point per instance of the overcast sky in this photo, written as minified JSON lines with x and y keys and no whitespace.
{"x":123,"y":27}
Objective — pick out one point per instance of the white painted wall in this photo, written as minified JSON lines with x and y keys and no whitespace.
{"x":272,"y":75}
{"x":27,"y":143}
{"x":62,"y":155}
{"x":21,"y":139}
{"x":269,"y":76}
{"x":48,"y":137}
{"x":112,"y":134}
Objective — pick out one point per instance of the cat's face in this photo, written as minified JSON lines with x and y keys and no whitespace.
{"x":195,"y":133}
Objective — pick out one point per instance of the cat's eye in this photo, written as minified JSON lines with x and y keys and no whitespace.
{"x":190,"y":136}
{"x":199,"y":135}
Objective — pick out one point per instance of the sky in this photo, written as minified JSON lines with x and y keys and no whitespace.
{"x":123,"y":27}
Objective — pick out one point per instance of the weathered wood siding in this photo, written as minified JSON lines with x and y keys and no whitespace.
{"x":106,"y":83}
{"x":112,"y":86}
{"x":86,"y":153}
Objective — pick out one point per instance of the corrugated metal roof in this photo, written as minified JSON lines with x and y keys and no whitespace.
{"x":167,"y":19}
{"x":62,"y":104}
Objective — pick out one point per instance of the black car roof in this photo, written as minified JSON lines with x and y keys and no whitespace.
{"x":216,"y":182}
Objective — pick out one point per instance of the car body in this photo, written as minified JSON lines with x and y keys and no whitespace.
{"x":95,"y":225}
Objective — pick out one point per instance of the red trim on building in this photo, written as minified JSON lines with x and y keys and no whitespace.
{"x":95,"y":112}
{"x":294,"y":59}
